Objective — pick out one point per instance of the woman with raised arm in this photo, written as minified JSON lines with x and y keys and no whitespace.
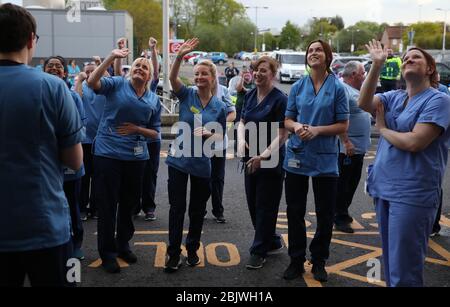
{"x":130,"y":117}
{"x":199,"y":106}
{"x":317,"y":112}
{"x":407,"y":174}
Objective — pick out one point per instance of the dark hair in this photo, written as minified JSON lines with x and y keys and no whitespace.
{"x":59,"y":58}
{"x":430,"y":61}
{"x":273,"y":64}
{"x":328,"y":53}
{"x":16,"y":27}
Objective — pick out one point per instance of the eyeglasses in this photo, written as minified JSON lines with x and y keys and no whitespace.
{"x":37,"y":38}
{"x":57,"y":66}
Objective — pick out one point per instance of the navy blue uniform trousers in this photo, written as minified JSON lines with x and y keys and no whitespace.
{"x":117,"y":191}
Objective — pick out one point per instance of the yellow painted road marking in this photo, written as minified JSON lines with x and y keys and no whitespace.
{"x":97,"y":263}
{"x":309,"y":278}
{"x":161,"y":251}
{"x":360,"y":278}
{"x":445,"y":221}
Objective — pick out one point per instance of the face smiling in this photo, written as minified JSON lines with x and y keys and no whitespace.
{"x":263,"y":75}
{"x":415,"y":65}
{"x":316,"y":55}
{"x":203,"y":77}
{"x":55,"y":67}
{"x":140,"y":70}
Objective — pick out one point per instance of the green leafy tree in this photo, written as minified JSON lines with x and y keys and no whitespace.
{"x":219,"y":12}
{"x":338,"y":22}
{"x":290,"y":36}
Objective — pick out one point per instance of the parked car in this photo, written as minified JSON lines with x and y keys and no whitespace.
{"x":219,"y":58}
{"x":191,"y":55}
{"x":247,"y":56}
{"x":193,"y":60}
{"x":444,"y":71}
{"x":291,"y":65}
{"x":338,"y":63}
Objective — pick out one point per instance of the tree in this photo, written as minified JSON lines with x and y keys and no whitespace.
{"x":338,"y":22}
{"x":147,"y":19}
{"x":237,"y":36}
{"x":219,"y":12}
{"x":290,"y":36}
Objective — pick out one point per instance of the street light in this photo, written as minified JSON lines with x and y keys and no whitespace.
{"x":256,"y":22}
{"x":445,"y":30}
{"x":352,"y":48}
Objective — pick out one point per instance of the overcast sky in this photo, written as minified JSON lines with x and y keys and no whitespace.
{"x":299,"y":11}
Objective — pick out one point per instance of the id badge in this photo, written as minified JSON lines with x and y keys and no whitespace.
{"x":294,"y":163}
{"x":138,"y":150}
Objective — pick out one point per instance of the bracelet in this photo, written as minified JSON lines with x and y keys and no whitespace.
{"x":179,"y":57}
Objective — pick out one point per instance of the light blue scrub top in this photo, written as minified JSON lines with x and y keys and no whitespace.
{"x":69,"y":174}
{"x":38,"y":119}
{"x":123,"y":105}
{"x":93,"y":106}
{"x":318,"y":157}
{"x":215,"y":111}
{"x":406,"y":177}
{"x":359,"y":127}
{"x":153,"y":88}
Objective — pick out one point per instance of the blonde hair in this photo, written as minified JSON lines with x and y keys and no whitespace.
{"x":213,"y":70}
{"x":150,"y":68}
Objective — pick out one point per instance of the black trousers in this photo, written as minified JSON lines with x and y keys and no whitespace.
{"x":44,"y":268}
{"x":200,"y":192}
{"x":349,"y":177}
{"x":325,"y":189}
{"x":72,"y":191}
{"x":147,"y":203}
{"x":117,"y":182}
{"x":263,"y":190}
{"x":87,"y":182}
{"x":217,"y":184}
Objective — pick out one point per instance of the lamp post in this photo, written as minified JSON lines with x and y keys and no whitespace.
{"x":445,"y":30}
{"x":352,"y":48}
{"x":256,"y":22}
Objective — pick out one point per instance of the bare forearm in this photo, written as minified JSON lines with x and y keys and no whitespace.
{"x":369,"y":88}
{"x":97,"y":74}
{"x":276,"y":144}
{"x":148,"y":133}
{"x":231,"y":117}
{"x":155,"y":64}
{"x":335,"y":129}
{"x":79,"y":88}
{"x":118,"y":67}
{"x":289,"y":125}
{"x":173,"y":77}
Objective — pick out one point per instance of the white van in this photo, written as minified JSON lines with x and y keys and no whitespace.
{"x":292,"y":65}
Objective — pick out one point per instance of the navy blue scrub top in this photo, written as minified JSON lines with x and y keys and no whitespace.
{"x":317,"y":157}
{"x":270,"y":110}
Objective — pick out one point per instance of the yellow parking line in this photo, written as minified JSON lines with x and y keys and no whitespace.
{"x":360,"y":278}
{"x":445,"y":221}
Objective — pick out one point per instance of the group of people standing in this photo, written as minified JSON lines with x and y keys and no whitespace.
{"x":320,"y":131}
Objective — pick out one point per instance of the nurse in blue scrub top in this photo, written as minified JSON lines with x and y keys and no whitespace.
{"x":263,"y":109}
{"x":72,"y":179}
{"x":131,"y":116}
{"x":187,"y":159}
{"x":407,"y":175}
{"x":317,"y":112}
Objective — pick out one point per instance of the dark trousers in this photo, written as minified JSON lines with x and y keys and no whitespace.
{"x":388,"y":85}
{"x":87,"y":182}
{"x":437,"y":226}
{"x":349,"y":177}
{"x":325,"y":189}
{"x":44,"y":268}
{"x":200,"y":192}
{"x":116,"y":182}
{"x":150,"y":178}
{"x":263,"y":190}
{"x":72,"y":191}
{"x":217,"y":184}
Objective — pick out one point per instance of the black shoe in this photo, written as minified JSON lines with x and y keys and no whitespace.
{"x":129,"y":257}
{"x":347,"y":228}
{"x":192,"y":259}
{"x":111,"y":266}
{"x":83,"y":216}
{"x":220,"y":219}
{"x":255,"y":262}
{"x":276,"y":249}
{"x":172,"y":264}
{"x":294,"y":270}
{"x":319,"y":272}
{"x":150,"y":216}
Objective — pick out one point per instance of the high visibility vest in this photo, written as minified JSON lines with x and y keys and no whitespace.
{"x":392,"y":69}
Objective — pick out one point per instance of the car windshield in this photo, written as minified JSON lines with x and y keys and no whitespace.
{"x":293,"y":59}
